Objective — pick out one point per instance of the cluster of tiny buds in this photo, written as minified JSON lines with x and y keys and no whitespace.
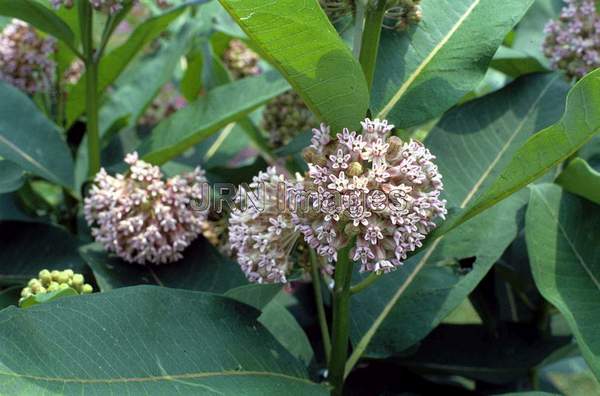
{"x":26,"y":58}
{"x":51,"y":281}
{"x":382,"y":190}
{"x":285,"y":117}
{"x":141,"y":217}
{"x":167,"y":102}
{"x":573,"y":41}
{"x":240,"y":60}
{"x":402,"y":14}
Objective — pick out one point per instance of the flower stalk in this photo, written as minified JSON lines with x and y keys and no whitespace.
{"x":316,"y":282}
{"x":86,"y":20}
{"x":371,"y":33}
{"x":341,"y":319}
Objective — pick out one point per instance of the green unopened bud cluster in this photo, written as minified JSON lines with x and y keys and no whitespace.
{"x":285,"y":117}
{"x":402,"y":14}
{"x":50,"y":281}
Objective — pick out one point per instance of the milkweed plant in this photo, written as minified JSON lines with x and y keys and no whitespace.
{"x":344,"y":197}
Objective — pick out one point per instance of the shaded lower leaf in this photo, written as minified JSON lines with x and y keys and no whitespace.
{"x":258,"y":296}
{"x":145,"y":340}
{"x":579,"y":178}
{"x":562,"y":241}
{"x":202,"y":268}
{"x":472,"y":351}
{"x":515,"y":63}
{"x":404,"y":306}
{"x":27,"y":248}
{"x":30,"y":140}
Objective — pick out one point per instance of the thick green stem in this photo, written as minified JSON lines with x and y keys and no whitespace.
{"x":369,"y":42}
{"x":86,"y":22}
{"x":341,"y":320}
{"x":316,"y":282}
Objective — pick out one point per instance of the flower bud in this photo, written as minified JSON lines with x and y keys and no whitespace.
{"x":87,"y":289}
{"x":355,"y":169}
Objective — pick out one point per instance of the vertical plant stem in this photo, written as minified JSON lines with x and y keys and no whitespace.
{"x":369,"y":42}
{"x":341,"y":319}
{"x":316,"y":282}
{"x":86,"y":22}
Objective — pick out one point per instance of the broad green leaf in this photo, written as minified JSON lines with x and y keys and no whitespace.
{"x":10,"y":209}
{"x":221,"y":106}
{"x":27,"y":248}
{"x":546,"y":149}
{"x":202,"y":268}
{"x":41,"y":17}
{"x":472,"y":143}
{"x":47,"y":297}
{"x":515,"y":63}
{"x":563,"y":240}
{"x":297,"y":38}
{"x":113,"y":63}
{"x":422,"y":73}
{"x":472,"y":351}
{"x":191,"y":83}
{"x":30,"y":140}
{"x":11,"y":177}
{"x":145,"y":340}
{"x":579,"y":178}
{"x":404,"y":306}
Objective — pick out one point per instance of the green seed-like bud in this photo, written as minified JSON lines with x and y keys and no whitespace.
{"x":87,"y":289}
{"x":55,"y":275}
{"x":355,"y":169}
{"x":69,"y":273}
{"x":77,"y":280}
{"x":36,"y":286}
{"x":63,"y":277}
{"x":62,"y":286}
{"x":26,"y":292}
{"x":45,"y":276}
{"x":53,"y":287}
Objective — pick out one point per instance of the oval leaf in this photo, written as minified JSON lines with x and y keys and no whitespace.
{"x":145,"y":340}
{"x":30,"y":140}
{"x":562,"y":241}
{"x":11,"y":177}
{"x":297,"y":38}
{"x":422,"y":73}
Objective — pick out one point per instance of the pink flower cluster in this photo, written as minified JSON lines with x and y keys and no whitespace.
{"x":167,"y":102}
{"x":142,"y":218}
{"x":25,"y":58}
{"x":261,"y":232}
{"x":240,"y":60}
{"x":383,"y":190}
{"x":573,"y":41}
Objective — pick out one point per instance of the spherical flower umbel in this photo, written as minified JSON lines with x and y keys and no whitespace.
{"x":573,"y":41}
{"x":167,"y":102}
{"x":142,"y":218}
{"x":240,"y":60}
{"x":51,"y":281}
{"x":25,"y":58}
{"x":285,"y":117}
{"x":261,"y":232}
{"x":382,"y":190}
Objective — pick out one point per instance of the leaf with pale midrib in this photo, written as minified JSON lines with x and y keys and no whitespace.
{"x":423,"y":72}
{"x":297,"y":38}
{"x":223,"y":105}
{"x":472,"y":143}
{"x":30,"y":140}
{"x":145,"y":340}
{"x":564,"y":250}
